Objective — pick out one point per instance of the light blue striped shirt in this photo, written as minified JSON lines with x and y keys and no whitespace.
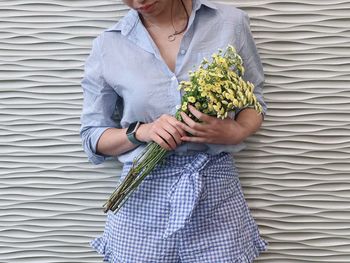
{"x":126,"y":79}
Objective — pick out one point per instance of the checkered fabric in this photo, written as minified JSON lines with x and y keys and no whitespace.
{"x":191,"y":209}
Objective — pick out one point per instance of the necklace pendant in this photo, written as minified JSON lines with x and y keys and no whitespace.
{"x":171,"y":38}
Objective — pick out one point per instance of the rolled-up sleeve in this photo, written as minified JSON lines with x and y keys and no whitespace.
{"x":99,"y":104}
{"x":251,"y":61}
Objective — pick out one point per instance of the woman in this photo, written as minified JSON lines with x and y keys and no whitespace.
{"x":191,"y":209}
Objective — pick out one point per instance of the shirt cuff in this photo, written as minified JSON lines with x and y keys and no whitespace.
{"x":94,"y":157}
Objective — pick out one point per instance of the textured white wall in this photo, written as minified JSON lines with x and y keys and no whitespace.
{"x":295,"y":171}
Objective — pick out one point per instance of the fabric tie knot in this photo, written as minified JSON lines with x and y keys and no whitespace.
{"x":185,"y":193}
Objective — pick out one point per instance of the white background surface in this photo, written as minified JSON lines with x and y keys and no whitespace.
{"x":295,"y":171}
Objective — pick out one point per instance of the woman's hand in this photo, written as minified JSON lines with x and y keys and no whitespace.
{"x":165,"y":131}
{"x":218,"y":131}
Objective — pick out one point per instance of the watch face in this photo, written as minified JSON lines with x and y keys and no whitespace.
{"x":132,"y":127}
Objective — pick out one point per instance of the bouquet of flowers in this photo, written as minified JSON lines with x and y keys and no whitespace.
{"x":215,"y":88}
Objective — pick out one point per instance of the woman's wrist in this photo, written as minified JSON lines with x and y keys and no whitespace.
{"x":141,"y":133}
{"x":235,"y":133}
{"x":248,"y":121}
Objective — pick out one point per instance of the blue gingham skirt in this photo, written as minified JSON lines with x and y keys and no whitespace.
{"x":191,"y":209}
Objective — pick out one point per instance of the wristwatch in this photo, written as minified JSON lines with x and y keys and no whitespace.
{"x":131,"y":132}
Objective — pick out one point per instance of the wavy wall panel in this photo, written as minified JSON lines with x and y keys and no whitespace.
{"x":295,"y":171}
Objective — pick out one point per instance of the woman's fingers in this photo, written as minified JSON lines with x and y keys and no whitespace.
{"x":167,"y":132}
{"x":175,"y":129}
{"x":197,"y":129}
{"x":161,"y":142}
{"x":178,"y":125}
{"x":200,"y":115}
{"x":168,"y":138}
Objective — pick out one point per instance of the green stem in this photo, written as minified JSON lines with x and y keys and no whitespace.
{"x":157,"y":157}
{"x":143,"y":165}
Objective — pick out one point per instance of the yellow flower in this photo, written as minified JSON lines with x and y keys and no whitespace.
{"x":249,"y":96}
{"x":197,"y":105}
{"x":204,"y":94}
{"x":214,"y":56}
{"x":216,"y":108}
{"x":231,"y":49}
{"x":184,"y":106}
{"x":222,"y":111}
{"x":230,"y":91}
{"x":201,"y":82}
{"x":191,"y":99}
{"x":218,"y":89}
{"x":241,"y":69}
{"x":209,"y":87}
{"x":212,"y":98}
{"x":232,"y":74}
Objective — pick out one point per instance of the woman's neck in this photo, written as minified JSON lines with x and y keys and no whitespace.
{"x":174,"y":16}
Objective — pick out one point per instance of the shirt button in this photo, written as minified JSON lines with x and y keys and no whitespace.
{"x":173,"y":78}
{"x":182,"y":52}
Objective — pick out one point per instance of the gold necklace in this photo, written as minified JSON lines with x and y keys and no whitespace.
{"x":172,"y":36}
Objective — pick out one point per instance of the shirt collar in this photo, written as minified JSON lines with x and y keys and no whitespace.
{"x":128,"y":22}
{"x":198,"y":4}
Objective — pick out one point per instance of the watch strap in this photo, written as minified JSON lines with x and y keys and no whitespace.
{"x":132,"y":135}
